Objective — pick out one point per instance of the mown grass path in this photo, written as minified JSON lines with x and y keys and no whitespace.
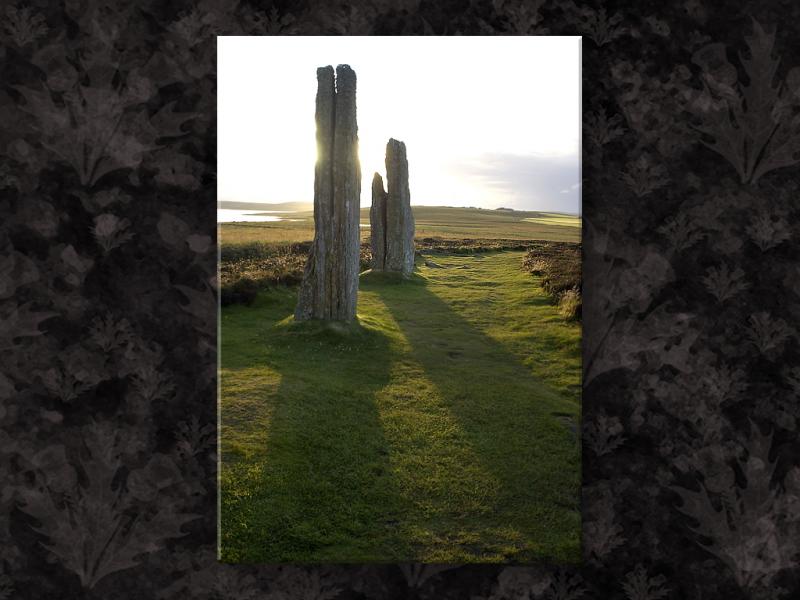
{"x":442,"y":429}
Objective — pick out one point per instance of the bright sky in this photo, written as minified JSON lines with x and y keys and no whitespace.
{"x":487,"y":121}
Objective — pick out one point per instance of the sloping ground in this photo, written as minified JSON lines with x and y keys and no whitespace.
{"x":441,"y":429}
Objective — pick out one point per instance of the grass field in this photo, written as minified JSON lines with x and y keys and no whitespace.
{"x":442,"y":428}
{"x":555,"y":219}
{"x":431,"y":221}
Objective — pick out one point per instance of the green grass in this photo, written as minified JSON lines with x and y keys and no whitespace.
{"x":431,"y":221}
{"x":556,"y":219}
{"x":441,"y":428}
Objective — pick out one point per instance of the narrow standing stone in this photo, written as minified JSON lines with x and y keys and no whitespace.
{"x":399,"y":218}
{"x":377,"y":223}
{"x":330,"y":280}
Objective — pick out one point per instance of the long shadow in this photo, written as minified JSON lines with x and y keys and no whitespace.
{"x":513,"y":421}
{"x":322,"y":492}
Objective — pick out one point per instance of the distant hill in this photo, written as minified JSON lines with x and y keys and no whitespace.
{"x":265,"y":206}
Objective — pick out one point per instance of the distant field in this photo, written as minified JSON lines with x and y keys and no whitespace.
{"x":556,"y":219}
{"x":431,"y":221}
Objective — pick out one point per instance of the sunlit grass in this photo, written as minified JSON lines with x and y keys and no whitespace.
{"x":432,"y":431}
{"x":555,"y":219}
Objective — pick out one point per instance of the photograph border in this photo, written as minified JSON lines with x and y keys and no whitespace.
{"x":109,"y":303}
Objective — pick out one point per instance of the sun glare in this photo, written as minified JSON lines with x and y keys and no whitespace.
{"x":487,"y":122}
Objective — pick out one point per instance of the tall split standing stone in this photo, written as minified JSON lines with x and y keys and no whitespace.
{"x":391,"y":219}
{"x":330,"y":280}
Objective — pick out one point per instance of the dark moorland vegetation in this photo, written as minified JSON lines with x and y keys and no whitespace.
{"x":558,"y":266}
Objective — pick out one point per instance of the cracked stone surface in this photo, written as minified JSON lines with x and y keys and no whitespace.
{"x":377,"y":221}
{"x":329,"y":288}
{"x":391,"y":219}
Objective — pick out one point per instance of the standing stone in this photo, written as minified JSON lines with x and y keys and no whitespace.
{"x":393,"y":217}
{"x":377,"y":224}
{"x":330,"y":280}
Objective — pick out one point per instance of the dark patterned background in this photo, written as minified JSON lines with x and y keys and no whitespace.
{"x":108,"y":299}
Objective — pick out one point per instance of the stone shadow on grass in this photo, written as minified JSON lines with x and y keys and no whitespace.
{"x":513,"y":421}
{"x":323,"y":491}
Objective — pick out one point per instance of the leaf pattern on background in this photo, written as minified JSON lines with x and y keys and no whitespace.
{"x":23,"y":25}
{"x":598,"y":25}
{"x":20,"y":322}
{"x":751,"y":528}
{"x":566,"y":586}
{"x":638,"y":585}
{"x":754,"y":125}
{"x":108,"y":299}
{"x":767,"y":233}
{"x":99,"y":130}
{"x":603,"y":435}
{"x":101,"y":526}
{"x":520,"y":583}
{"x":521,"y":17}
{"x":602,"y":531}
{"x":724,"y":283}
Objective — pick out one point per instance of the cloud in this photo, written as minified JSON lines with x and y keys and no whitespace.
{"x":528,"y":182}
{"x":574,"y":186}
